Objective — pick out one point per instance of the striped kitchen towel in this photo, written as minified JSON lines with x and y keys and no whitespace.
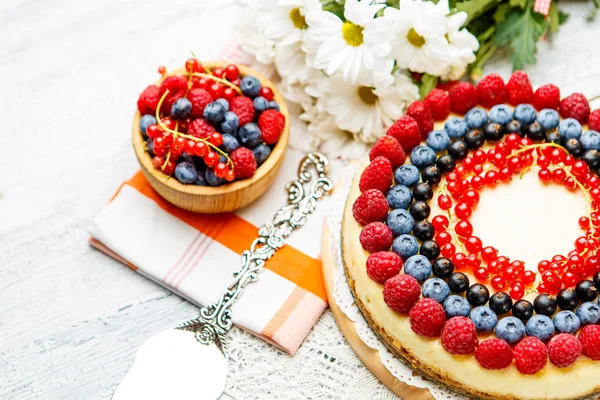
{"x":194,"y":255}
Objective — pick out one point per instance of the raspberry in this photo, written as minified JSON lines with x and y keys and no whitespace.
{"x":463,"y":97}
{"x":390,"y":148}
{"x":422,"y":114}
{"x":427,"y":317}
{"x":271,"y":123}
{"x":148,"y":100}
{"x":564,"y":349}
{"x":376,"y":236}
{"x":370,"y":206}
{"x":494,"y":353}
{"x":575,"y":106}
{"x":589,"y":336}
{"x":201,"y":129}
{"x":519,"y":89}
{"x":401,"y":292}
{"x":242,"y":107}
{"x":531,"y":355}
{"x":383,"y":265}
{"x":244,"y":164}
{"x":438,"y":101}
{"x":174,"y":83}
{"x":199,"y":99}
{"x":407,"y":133}
{"x":547,"y":96}
{"x":491,"y":90}
{"x":594,"y":120}
{"x":378,"y":175}
{"x":459,"y":336}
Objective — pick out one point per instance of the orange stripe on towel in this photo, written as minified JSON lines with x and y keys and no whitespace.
{"x":284,"y":312}
{"x":237,"y":235}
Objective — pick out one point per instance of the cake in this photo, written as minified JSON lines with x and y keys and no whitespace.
{"x":472,"y":255}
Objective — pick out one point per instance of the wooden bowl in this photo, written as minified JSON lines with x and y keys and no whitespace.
{"x":225,"y":198}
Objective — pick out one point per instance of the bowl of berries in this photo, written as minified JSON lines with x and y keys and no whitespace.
{"x":210,"y":137}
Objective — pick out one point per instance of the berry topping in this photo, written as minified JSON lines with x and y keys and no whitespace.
{"x":387,"y":146}
{"x":463,"y":97}
{"x":383,"y":265}
{"x":575,"y":106}
{"x":243,"y":107}
{"x":201,"y":129}
{"x":589,"y":337}
{"x":243,"y":162}
{"x":148,"y":100}
{"x":519,"y":88}
{"x":376,"y":236}
{"x":377,"y":175}
{"x":370,"y":206}
{"x":406,"y":131}
{"x":564,"y":349}
{"x":401,"y":292}
{"x":494,"y":353}
{"x":438,"y":101}
{"x":427,"y":318}
{"x":594,"y":120}
{"x":199,"y":99}
{"x":422,"y":114}
{"x":491,"y":90}
{"x":547,"y":96}
{"x":510,"y":329}
{"x":436,"y":289}
{"x":459,"y":336}
{"x":271,"y":124}
{"x":531,"y":355}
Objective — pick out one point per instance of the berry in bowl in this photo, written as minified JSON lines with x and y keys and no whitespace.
{"x":210,"y":137}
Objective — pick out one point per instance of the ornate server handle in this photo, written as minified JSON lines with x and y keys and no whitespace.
{"x":214,"y":320}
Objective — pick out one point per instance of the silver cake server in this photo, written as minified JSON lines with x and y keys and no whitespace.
{"x":190,"y":361}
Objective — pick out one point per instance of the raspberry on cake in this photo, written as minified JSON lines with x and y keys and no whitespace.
{"x":491,"y":90}
{"x":463,"y":97}
{"x":547,"y":96}
{"x":383,"y":266}
{"x":387,"y":146}
{"x":401,"y":292}
{"x":519,"y":89}
{"x":427,"y":318}
{"x":422,"y":114}
{"x":376,"y":236}
{"x":406,"y":131}
{"x":575,"y":106}
{"x":378,"y":175}
{"x":438,"y":101}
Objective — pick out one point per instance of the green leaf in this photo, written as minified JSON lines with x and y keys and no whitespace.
{"x":428,"y":82}
{"x":336,"y":7}
{"x":501,"y":11}
{"x":553,"y":17}
{"x":475,"y":8}
{"x":518,"y":3}
{"x":562,"y":17}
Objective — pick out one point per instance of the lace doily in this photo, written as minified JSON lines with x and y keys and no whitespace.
{"x":344,"y":299}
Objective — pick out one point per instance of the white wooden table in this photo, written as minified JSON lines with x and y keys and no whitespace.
{"x":71,"y":318}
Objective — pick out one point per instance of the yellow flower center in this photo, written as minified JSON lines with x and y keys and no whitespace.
{"x":298,"y":19}
{"x":352,"y":33}
{"x":414,"y":38}
{"x":367,"y":96}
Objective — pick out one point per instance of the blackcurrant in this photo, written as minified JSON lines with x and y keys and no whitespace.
{"x":522,"y":310}
{"x":597,"y":280}
{"x":535,"y":131}
{"x":420,"y":210}
{"x":431,"y":174}
{"x":443,"y":268}
{"x":474,"y":138}
{"x":567,"y":299}
{"x":554,"y":136}
{"x":591,"y":158}
{"x":430,"y":249}
{"x":493,"y":132}
{"x":422,"y":191}
{"x":445,"y":163}
{"x":458,"y":282}
{"x":586,"y":290}
{"x":574,"y":147}
{"x":478,"y":294}
{"x":515,"y":126}
{"x":544,"y":304}
{"x":458,"y":149}
{"x":423,"y":230}
{"x":500,"y":303}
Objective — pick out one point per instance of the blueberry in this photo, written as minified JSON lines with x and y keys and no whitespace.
{"x":230,"y":123}
{"x":211,"y":178}
{"x":570,"y":128}
{"x":436,"y":289}
{"x":146,"y":121}
{"x":458,"y":282}
{"x":525,"y":114}
{"x":422,"y":156}
{"x":261,"y":153}
{"x":566,"y":322}
{"x":456,"y":306}
{"x":438,"y":140}
{"x":478,"y":294}
{"x":405,"y":246}
{"x":224,"y":103}
{"x":274,"y":106}
{"x":456,"y":127}
{"x":185,"y":157}
{"x":407,"y":175}
{"x":400,"y":222}
{"x":510,"y":329}
{"x":418,"y":267}
{"x":222,"y":158}
{"x":185,"y":172}
{"x":484,"y":318}
{"x":588,"y":313}
{"x":548,"y":118}
{"x":230,"y":143}
{"x":260,"y":104}
{"x":250,"y":135}
{"x":590,"y":140}
{"x":181,"y":109}
{"x":540,"y":326}
{"x":201,"y":180}
{"x":442,"y":267}
{"x":214,"y":112}
{"x":150,"y":146}
{"x":501,"y":114}
{"x":250,"y":86}
{"x":399,"y":196}
{"x":476,"y":118}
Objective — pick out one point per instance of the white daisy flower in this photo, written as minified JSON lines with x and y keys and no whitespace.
{"x":291,"y":63}
{"x":419,"y":43}
{"x":361,"y":42}
{"x":327,"y":138}
{"x":248,"y":34}
{"x":285,"y":21}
